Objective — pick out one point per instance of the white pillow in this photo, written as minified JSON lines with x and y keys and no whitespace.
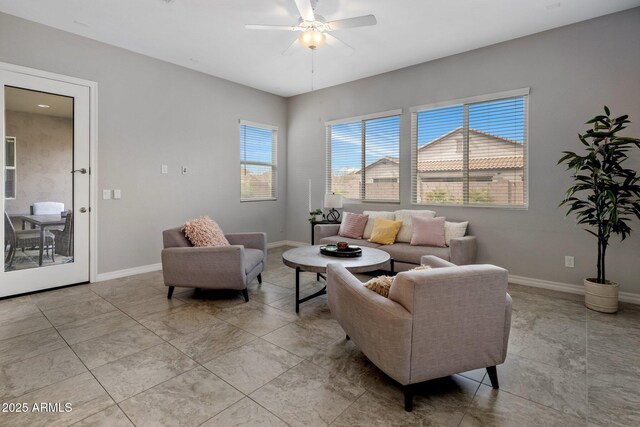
{"x":406,"y":231}
{"x":453,"y":230}
{"x":372,"y":218}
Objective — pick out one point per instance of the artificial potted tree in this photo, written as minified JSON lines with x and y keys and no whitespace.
{"x":604,"y":197}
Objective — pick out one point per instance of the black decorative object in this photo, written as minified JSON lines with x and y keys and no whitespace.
{"x":349,"y":252}
{"x":333,"y":215}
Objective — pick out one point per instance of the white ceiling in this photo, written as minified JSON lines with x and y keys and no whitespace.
{"x":27,"y":101}
{"x":209,"y":35}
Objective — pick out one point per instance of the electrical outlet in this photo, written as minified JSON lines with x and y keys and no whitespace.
{"x":568,"y":261}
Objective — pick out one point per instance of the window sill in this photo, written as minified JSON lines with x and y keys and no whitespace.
{"x":259,"y":200}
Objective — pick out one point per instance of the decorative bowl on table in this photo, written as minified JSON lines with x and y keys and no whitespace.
{"x":351,"y":251}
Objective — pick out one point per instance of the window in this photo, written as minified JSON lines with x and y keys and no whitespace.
{"x":471,"y":152}
{"x":10,"y":168}
{"x":363,"y":157}
{"x":258,"y":164}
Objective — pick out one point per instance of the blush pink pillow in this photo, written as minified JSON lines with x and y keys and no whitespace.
{"x":353,"y":225}
{"x":204,"y":231}
{"x":428,"y":231}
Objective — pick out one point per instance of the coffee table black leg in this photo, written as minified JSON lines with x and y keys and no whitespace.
{"x":297,"y":289}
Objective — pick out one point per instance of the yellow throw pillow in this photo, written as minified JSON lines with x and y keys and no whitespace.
{"x":385,"y":231}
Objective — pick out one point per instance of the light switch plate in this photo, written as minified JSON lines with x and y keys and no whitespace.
{"x":184,"y":170}
{"x":117,"y":194}
{"x":164,"y":169}
{"x":106,"y":194}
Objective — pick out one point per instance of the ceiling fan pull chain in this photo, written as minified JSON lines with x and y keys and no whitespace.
{"x":312,"y":70}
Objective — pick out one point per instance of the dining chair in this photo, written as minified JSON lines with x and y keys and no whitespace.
{"x":23,"y":239}
{"x":47,"y":208}
{"x":64,"y":237}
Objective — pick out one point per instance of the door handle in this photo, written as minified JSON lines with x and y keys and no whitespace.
{"x":82,"y":171}
{"x":83,"y":210}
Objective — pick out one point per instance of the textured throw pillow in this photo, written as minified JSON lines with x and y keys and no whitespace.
{"x":428,"y":231}
{"x":204,"y":231}
{"x":385,"y":231}
{"x":380,"y":285}
{"x":453,"y":230}
{"x":406,"y":216}
{"x":353,"y":225}
{"x":372,"y":216}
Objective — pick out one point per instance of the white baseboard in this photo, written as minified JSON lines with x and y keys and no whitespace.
{"x":567,"y":287}
{"x":282,"y":243}
{"x":101,"y":277}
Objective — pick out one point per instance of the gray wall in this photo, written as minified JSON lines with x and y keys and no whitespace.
{"x":149,"y":113}
{"x":44,"y":156}
{"x":572,"y":72}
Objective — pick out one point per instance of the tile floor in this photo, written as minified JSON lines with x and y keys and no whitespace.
{"x":122,"y":355}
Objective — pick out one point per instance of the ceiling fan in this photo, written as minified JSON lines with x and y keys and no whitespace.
{"x":315,"y":29}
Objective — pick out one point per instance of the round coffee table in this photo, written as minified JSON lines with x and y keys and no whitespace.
{"x":309,"y":258}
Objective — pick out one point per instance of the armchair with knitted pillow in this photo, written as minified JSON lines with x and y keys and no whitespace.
{"x":434,"y":323}
{"x":235,"y":261}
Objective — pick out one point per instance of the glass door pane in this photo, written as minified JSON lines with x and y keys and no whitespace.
{"x":39,"y":129}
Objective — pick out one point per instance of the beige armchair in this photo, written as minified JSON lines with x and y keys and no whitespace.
{"x":222,"y":267}
{"x":436,"y":322}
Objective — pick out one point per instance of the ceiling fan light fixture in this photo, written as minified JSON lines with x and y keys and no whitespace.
{"x":312,"y":39}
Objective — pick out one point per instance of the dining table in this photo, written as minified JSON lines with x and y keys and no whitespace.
{"x":43,"y":222}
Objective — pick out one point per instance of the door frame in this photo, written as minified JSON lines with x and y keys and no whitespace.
{"x":93,"y":151}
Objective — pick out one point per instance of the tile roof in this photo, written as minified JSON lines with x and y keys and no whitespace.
{"x":485,"y":163}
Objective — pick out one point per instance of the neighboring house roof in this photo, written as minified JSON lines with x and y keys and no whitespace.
{"x":472,"y":133}
{"x":386,"y":160}
{"x":486,"y":163}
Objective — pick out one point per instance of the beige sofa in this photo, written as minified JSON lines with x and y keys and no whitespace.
{"x":461,"y":250}
{"x":435,"y":322}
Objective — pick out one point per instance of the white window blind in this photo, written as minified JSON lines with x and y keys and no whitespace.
{"x":471,"y":153}
{"x":363,"y":157}
{"x":10,"y":168}
{"x":258,"y":165}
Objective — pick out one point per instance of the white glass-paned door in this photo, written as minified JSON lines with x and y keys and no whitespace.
{"x":45,"y":126}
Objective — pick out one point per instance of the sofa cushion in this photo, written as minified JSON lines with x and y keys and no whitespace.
{"x":428,"y":231}
{"x":372,"y":216}
{"x":332,"y":240}
{"x":252,"y":257}
{"x":404,"y":252}
{"x":353,"y":225}
{"x":454,"y":230}
{"x":385,"y":231}
{"x":406,"y":216}
{"x":204,"y":231}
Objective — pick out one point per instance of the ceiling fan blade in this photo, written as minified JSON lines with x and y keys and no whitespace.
{"x":272,"y":27}
{"x":333,"y":41}
{"x":306,"y":10}
{"x":359,"y":21}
